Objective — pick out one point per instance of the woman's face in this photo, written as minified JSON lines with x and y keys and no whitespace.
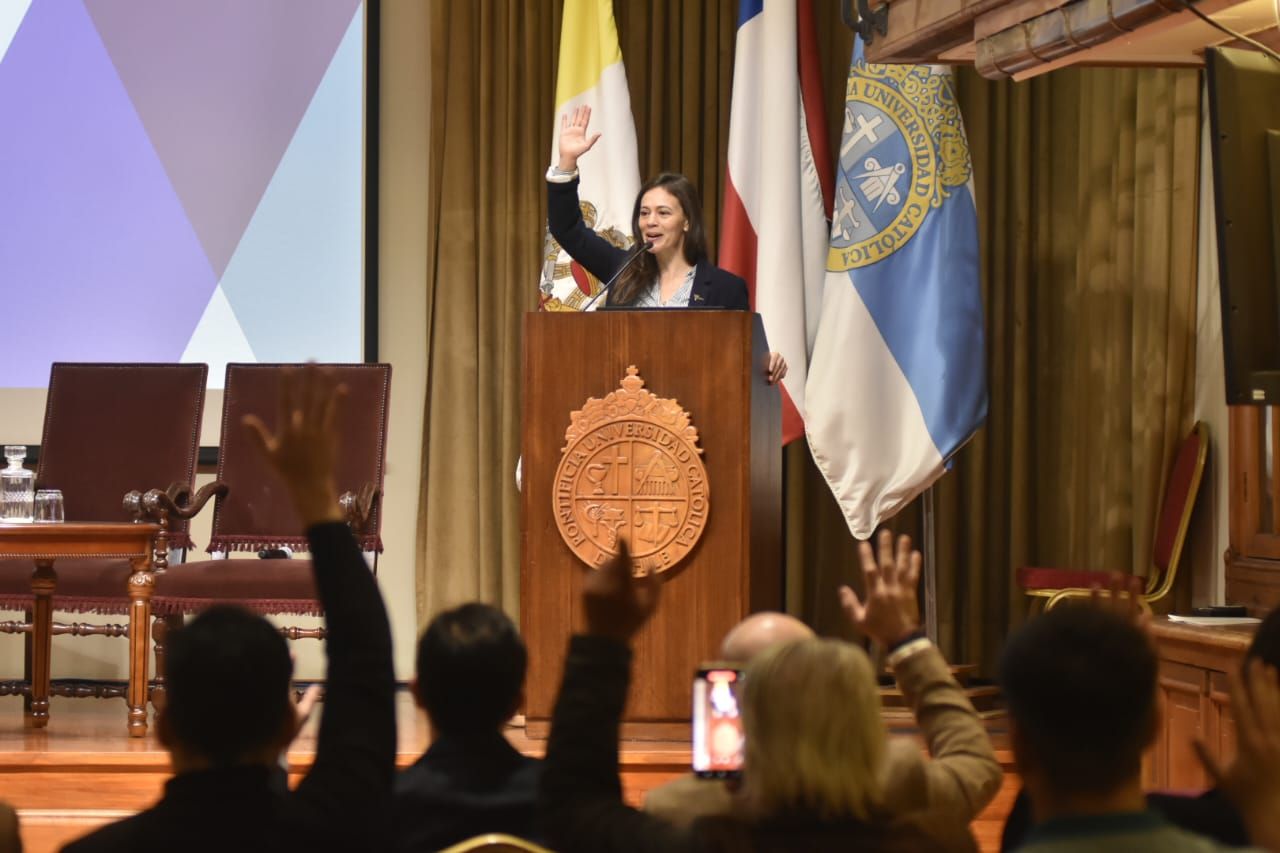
{"x":662,"y":221}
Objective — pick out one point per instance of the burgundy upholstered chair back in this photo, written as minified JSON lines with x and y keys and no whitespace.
{"x":256,"y":511}
{"x":1180,"y":496}
{"x":112,"y":428}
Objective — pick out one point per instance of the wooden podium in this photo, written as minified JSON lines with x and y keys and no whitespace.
{"x":711,"y":363}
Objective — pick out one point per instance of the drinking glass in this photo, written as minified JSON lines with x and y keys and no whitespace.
{"x":48,"y":507}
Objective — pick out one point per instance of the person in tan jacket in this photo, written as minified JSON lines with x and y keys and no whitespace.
{"x":814,"y":750}
{"x":959,"y":776}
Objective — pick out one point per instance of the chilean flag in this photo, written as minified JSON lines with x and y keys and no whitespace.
{"x":779,"y":186}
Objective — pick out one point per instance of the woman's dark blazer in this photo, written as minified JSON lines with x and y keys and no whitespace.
{"x":712,"y":286}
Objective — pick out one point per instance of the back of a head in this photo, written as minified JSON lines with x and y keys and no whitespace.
{"x":760,"y":631}
{"x":1080,"y":682}
{"x":471,"y":668}
{"x":814,"y":738}
{"x":227,"y":682}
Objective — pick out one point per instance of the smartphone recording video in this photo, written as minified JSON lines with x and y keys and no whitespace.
{"x":718,"y":737}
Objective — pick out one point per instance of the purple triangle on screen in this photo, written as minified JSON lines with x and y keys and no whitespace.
{"x":221,"y":88}
{"x":97,"y":258}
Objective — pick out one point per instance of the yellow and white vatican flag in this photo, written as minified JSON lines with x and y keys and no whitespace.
{"x":591,"y":74}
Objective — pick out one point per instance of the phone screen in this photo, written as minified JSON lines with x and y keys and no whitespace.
{"x":718,"y":737}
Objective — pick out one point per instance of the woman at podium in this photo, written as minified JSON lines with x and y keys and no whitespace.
{"x":669,"y":266}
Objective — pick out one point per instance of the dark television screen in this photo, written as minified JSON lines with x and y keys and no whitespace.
{"x":1244,"y":110}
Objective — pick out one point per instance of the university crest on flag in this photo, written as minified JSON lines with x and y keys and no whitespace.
{"x":901,"y":155}
{"x":902,"y":318}
{"x":566,"y":285}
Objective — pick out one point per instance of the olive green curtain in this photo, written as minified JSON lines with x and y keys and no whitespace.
{"x":1085,"y":181}
{"x":1085,"y":186}
{"x":490,"y":129}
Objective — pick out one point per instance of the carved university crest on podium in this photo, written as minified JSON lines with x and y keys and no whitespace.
{"x":631,"y":466}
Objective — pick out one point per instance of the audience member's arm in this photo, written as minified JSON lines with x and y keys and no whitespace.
{"x":581,"y":792}
{"x":10,"y":835}
{"x":964,"y":774}
{"x":1252,"y":781}
{"x":355,"y":752}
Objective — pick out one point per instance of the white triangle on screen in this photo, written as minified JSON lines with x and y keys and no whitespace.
{"x":218,"y":339}
{"x":11,"y":14}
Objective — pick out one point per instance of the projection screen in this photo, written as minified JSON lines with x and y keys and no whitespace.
{"x":181,"y":180}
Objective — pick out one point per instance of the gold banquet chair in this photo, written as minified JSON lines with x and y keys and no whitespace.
{"x":496,"y":843}
{"x":1052,"y":586}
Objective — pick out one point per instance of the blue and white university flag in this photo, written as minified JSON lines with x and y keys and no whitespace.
{"x":897,"y":380}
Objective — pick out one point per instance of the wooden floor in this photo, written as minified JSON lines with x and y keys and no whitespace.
{"x":83,"y":771}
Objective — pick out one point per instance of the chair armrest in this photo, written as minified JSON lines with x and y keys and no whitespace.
{"x":357,"y":507}
{"x":176,"y":501}
{"x":160,"y":506}
{"x":136,"y":504}
{"x":188,"y":505}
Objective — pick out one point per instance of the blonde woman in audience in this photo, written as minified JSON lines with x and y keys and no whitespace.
{"x":813,"y":711}
{"x":953,"y":777}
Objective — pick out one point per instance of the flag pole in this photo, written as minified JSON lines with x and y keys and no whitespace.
{"x":929,"y":542}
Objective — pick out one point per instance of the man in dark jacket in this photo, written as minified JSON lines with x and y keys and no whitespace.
{"x":1211,"y":813}
{"x":471,"y":668}
{"x":229,"y":716}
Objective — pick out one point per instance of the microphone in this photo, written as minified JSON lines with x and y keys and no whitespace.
{"x":635,"y":253}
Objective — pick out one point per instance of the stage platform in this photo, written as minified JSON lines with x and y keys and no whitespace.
{"x":83,"y":770}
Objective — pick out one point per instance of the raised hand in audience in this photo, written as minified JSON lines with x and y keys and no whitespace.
{"x":617,"y":602}
{"x":891,"y":612}
{"x":1123,"y":596}
{"x":1252,"y":781}
{"x":304,"y":707}
{"x":304,"y":447}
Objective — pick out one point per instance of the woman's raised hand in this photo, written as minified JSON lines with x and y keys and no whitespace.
{"x":574,"y":139}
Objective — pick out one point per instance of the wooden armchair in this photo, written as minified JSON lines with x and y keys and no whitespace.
{"x":1053,"y":586}
{"x":253,"y":513}
{"x":109,"y":429}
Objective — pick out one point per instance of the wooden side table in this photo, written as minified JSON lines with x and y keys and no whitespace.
{"x":45,"y":544}
{"x":1194,"y":662}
